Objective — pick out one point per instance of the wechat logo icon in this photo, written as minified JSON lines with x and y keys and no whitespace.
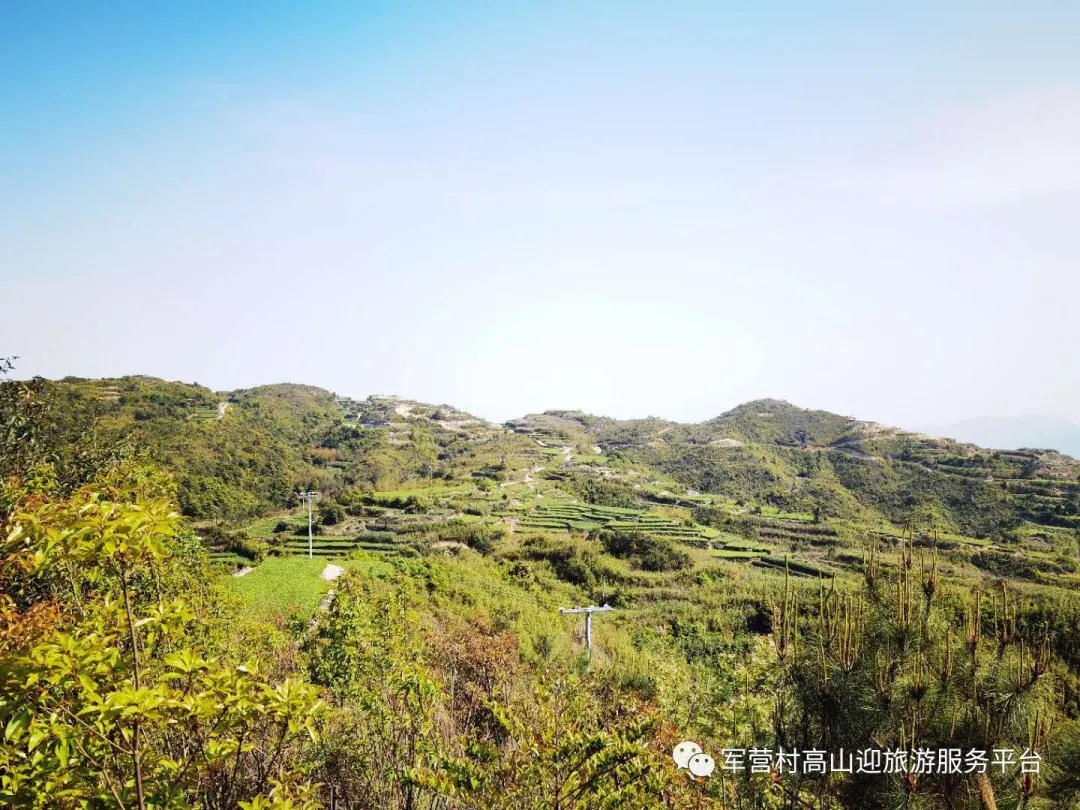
{"x":689,"y":755}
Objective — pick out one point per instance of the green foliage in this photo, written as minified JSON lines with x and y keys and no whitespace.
{"x":777,"y":422}
{"x":905,"y":665}
{"x":106,"y":697}
{"x":446,"y":721}
{"x":573,"y":561}
{"x":556,"y":757}
{"x":601,"y":491}
{"x":330,"y":514}
{"x":248,"y":461}
{"x":366,"y":650}
{"x":43,"y":448}
{"x":650,"y":553}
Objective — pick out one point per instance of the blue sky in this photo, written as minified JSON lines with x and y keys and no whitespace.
{"x":662,"y":208}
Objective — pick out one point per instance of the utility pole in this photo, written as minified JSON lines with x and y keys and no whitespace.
{"x":309,"y":498}
{"x":588,"y":611}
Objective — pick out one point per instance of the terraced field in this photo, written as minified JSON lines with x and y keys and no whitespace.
{"x":323,"y":546}
{"x":735,"y":554}
{"x":342,"y":545}
{"x":203,"y":414}
{"x":792,"y":567}
{"x":264,"y":527}
{"x":793,"y":531}
{"x":942,"y":538}
{"x":588,"y":517}
{"x":229,"y":560}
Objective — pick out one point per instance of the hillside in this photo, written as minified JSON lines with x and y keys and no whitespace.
{"x":772,"y":453}
{"x":243,"y":452}
{"x":809,"y":568}
{"x":803,"y":482}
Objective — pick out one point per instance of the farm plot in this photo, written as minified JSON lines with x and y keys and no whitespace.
{"x":794,"y":531}
{"x":588,"y":517}
{"x":268,"y":526}
{"x":281,"y":586}
{"x":340,"y":545}
{"x":941,"y":539}
{"x":254,"y":551}
{"x":203,"y":414}
{"x":228,"y":560}
{"x":735,"y":554}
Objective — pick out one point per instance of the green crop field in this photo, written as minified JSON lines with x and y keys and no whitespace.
{"x":588,"y":458}
{"x":228,"y":560}
{"x":569,"y":517}
{"x":428,"y":492}
{"x":282,"y":585}
{"x":339,"y":546}
{"x":264,"y":527}
{"x":747,"y":545}
{"x":206,"y":414}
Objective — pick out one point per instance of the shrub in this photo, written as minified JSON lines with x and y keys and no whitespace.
{"x":243,"y":545}
{"x":276,"y":544}
{"x":482,"y":538}
{"x":477,"y":536}
{"x":330,"y":514}
{"x":65,"y":739}
{"x":573,"y":562}
{"x":650,"y":553}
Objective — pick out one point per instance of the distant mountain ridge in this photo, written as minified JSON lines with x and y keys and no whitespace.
{"x":776,"y":420}
{"x":1014,"y":433}
{"x":242,"y":453}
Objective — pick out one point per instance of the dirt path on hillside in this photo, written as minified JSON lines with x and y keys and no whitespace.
{"x":329,"y":573}
{"x":332,"y":572}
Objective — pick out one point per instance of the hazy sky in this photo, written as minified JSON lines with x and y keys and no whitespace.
{"x":660,"y":208}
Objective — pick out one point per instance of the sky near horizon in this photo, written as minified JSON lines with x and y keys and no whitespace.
{"x":632,"y":209}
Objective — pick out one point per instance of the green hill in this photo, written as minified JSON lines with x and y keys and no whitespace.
{"x":772,"y":453}
{"x":396,"y":475}
{"x":244,"y":453}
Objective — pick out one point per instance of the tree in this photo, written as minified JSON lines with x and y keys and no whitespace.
{"x":330,"y":513}
{"x":108,"y":694}
{"x":562,"y":753}
{"x":39,"y":449}
{"x":906,"y":666}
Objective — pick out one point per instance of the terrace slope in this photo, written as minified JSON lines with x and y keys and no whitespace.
{"x":244,"y":453}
